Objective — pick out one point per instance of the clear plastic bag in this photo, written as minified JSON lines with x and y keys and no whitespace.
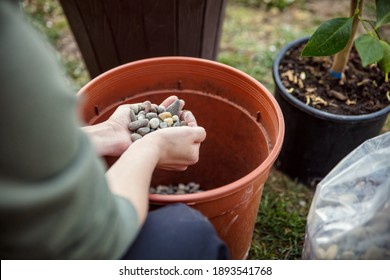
{"x":349,"y":216}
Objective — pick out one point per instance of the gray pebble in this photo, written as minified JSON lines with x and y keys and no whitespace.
{"x":146,"y":118}
{"x":153,"y":109}
{"x":174,"y":108}
{"x":373,"y":253}
{"x":141,"y":115}
{"x":135,"y":108}
{"x":147,"y":105}
{"x":133,"y":116}
{"x":143,"y":130}
{"x":151,"y":115}
{"x":135,"y":137}
{"x":193,"y":186}
{"x":163,"y":125}
{"x":381,"y":222}
{"x":179,"y":191}
{"x":133,"y":126}
{"x":160,"y":109}
{"x":162,"y":189}
{"x":176,"y":189}
{"x":379,"y":228}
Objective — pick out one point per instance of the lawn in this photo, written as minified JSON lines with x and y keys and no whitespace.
{"x":253,"y":33}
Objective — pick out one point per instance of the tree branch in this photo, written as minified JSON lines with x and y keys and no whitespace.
{"x":341,"y":58}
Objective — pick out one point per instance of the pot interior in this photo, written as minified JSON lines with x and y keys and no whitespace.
{"x":235,"y":145}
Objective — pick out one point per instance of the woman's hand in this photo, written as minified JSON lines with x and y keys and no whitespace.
{"x":176,"y":147}
{"x":112,"y":137}
{"x":173,"y":148}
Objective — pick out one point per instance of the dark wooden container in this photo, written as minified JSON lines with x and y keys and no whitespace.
{"x":111,"y":33}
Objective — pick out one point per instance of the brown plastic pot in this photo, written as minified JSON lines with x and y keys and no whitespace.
{"x":245,"y":130}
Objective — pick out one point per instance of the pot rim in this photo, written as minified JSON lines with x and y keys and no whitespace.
{"x":310,"y":110}
{"x":224,"y":190}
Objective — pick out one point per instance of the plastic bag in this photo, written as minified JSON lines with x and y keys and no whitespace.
{"x":349,"y":217}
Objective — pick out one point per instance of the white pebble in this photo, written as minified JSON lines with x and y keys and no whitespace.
{"x":154,"y":123}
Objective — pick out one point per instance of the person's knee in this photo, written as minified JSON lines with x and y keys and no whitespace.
{"x":183,"y":213}
{"x":194,"y":232}
{"x":178,"y":231}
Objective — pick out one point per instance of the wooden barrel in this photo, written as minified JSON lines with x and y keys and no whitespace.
{"x":111,"y":33}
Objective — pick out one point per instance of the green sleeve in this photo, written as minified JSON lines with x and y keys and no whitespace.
{"x":54,"y":199}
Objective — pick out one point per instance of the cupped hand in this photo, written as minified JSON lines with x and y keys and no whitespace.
{"x":112,"y":137}
{"x":177,"y":147}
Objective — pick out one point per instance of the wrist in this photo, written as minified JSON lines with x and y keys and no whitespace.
{"x":107,"y":139}
{"x":130,"y":176}
{"x":150,"y":147}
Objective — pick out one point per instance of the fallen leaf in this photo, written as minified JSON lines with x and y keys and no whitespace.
{"x":307,"y":100}
{"x":316,"y":100}
{"x":300,"y":84}
{"x":338,"y":95}
{"x":289,"y":74}
{"x":295,"y":81}
{"x":364,"y":81}
{"x":311,"y":89}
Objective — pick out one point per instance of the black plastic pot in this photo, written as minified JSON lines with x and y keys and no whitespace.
{"x":315,"y":141}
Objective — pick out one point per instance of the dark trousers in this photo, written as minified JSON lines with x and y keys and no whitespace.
{"x":177,"y":232}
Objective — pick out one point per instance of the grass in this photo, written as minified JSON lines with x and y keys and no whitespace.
{"x":280,"y":225}
{"x":251,"y":39}
{"x":253,"y":33}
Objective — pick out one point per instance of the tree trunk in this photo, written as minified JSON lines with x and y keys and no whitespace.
{"x":341,"y":58}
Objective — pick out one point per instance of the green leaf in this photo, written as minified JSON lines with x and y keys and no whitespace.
{"x":384,"y":63}
{"x":330,"y":37}
{"x":369,"y":48}
{"x":382,"y":12}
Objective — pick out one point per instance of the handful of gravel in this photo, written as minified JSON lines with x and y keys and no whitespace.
{"x":146,"y":118}
{"x":181,"y":188}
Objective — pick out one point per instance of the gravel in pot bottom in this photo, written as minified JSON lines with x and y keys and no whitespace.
{"x":181,"y":188}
